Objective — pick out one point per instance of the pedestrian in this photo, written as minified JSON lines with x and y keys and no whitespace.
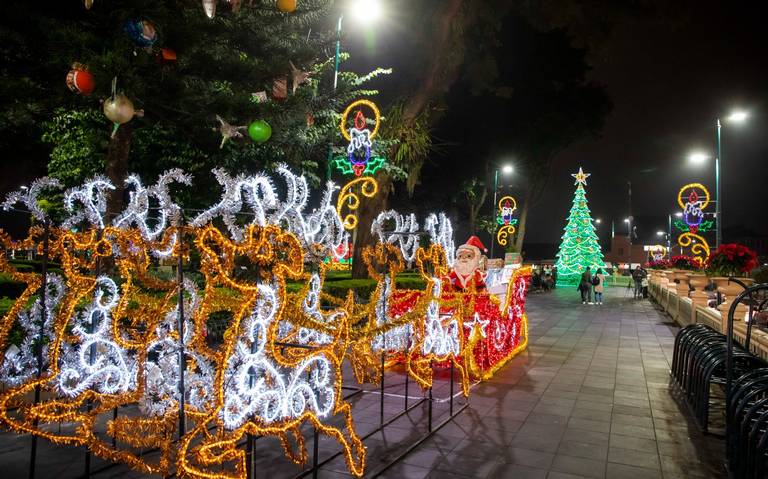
{"x":585,"y":286}
{"x":637,"y":276}
{"x":554,"y":277}
{"x":599,"y":283}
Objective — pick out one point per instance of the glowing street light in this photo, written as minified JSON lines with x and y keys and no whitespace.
{"x":679,"y":214}
{"x":738,"y":116}
{"x":507,"y":169}
{"x":598,"y":220}
{"x":366,"y":11}
{"x":626,"y":220}
{"x":698,"y":157}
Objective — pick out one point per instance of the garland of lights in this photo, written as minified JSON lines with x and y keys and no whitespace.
{"x":507,"y":207}
{"x":404,"y":234}
{"x":112,"y":340}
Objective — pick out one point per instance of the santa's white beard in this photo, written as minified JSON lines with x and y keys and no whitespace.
{"x":465,"y":268}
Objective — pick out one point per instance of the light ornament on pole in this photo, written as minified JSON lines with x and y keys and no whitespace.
{"x":349,"y":199}
{"x":507,"y":207}
{"x":359,"y":160}
{"x":693,"y":198}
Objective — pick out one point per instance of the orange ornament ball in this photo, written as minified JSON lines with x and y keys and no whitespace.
{"x":286,"y":6}
{"x":80,"y":80}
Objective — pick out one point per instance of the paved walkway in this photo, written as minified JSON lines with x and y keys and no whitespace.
{"x":589,"y":398}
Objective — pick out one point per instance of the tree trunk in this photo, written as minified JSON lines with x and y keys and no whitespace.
{"x":520,"y":237}
{"x":366,"y":213}
{"x":117,"y":167}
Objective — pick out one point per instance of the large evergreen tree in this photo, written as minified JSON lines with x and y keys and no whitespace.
{"x":579,"y":248}
{"x":221,"y":64}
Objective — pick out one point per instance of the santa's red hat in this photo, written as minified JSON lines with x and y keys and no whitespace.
{"x":474,"y":244}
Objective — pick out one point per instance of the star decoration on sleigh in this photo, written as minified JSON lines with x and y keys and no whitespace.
{"x":581,"y":177}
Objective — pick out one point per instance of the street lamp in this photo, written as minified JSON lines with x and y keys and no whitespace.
{"x":365,"y":11}
{"x":737,"y":116}
{"x":506,"y":169}
{"x":598,"y":220}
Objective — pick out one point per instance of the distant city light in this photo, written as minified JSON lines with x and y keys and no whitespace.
{"x":598,"y":220}
{"x":660,"y":233}
{"x":679,"y":214}
{"x":626,"y":220}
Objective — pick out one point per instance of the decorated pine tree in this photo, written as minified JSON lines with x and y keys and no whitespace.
{"x":118,"y":86}
{"x":579,"y":247}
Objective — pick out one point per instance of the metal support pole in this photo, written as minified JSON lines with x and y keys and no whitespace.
{"x":407,"y":348}
{"x":381,"y":399}
{"x":250,"y":439}
{"x":41,"y":337}
{"x":250,"y":454}
{"x":336,"y":65}
{"x":180,"y":329}
{"x":315,"y":455}
{"x":450,"y":407}
{"x":493,"y":208}
{"x":669,"y":236}
{"x":429,"y":407}
{"x":91,"y":352}
{"x":718,"y":197}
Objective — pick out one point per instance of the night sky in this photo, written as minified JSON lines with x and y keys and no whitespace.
{"x":668,"y":79}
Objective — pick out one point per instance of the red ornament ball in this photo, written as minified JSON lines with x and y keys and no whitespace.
{"x":80,"y":80}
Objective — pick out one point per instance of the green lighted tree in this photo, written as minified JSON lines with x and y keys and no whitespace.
{"x":579,"y":247}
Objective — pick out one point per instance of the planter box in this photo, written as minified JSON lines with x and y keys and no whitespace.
{"x":685,"y":315}
{"x":709,"y":316}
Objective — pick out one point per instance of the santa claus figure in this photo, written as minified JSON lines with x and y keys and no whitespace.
{"x":467,"y":273}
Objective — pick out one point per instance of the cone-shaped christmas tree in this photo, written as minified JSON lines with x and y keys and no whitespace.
{"x":579,"y":247}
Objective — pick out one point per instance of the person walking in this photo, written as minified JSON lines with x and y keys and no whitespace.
{"x":599,"y":282}
{"x":585,"y":286}
{"x":637,"y":276}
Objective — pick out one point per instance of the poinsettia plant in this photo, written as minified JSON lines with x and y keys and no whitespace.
{"x":732,"y":259}
{"x":684,"y":262}
{"x":658,"y":264}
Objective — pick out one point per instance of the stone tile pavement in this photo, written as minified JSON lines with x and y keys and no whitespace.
{"x":589,"y":398}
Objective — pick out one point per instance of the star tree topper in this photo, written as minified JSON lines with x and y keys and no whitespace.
{"x":581,"y":177}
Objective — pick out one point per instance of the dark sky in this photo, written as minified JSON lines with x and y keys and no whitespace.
{"x":669,"y":79}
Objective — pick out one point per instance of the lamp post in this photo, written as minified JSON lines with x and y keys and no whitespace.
{"x":365,"y":11}
{"x":737,"y":116}
{"x":506,"y":170}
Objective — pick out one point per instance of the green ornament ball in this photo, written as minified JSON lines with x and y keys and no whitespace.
{"x":259,"y":131}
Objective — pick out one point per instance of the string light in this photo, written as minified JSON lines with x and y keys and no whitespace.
{"x":405,"y":232}
{"x":349,"y":198}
